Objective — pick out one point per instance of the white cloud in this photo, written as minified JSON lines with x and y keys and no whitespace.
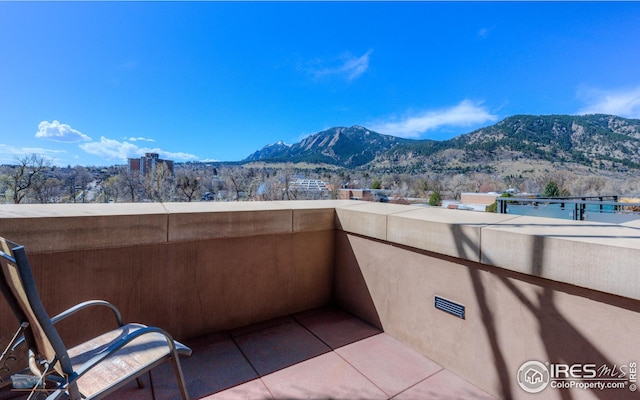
{"x":115,"y":150}
{"x":60,"y":132}
{"x":179,"y":156}
{"x":483,"y":33}
{"x":9,"y":154}
{"x":348,"y":67}
{"x":466,"y":113}
{"x":111,"y":149}
{"x":140,"y":139}
{"x":624,"y":103}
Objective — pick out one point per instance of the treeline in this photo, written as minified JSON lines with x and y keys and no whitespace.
{"x":33,"y":180}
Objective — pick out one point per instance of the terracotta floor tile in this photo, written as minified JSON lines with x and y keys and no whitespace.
{"x":444,"y":385}
{"x":205,"y":340}
{"x":293,"y":357}
{"x":280,"y":346}
{"x":324,"y":377}
{"x":252,"y":390}
{"x":211,"y":368}
{"x":391,"y":365}
{"x":131,"y":391}
{"x":261,"y":325}
{"x":335,"y":327}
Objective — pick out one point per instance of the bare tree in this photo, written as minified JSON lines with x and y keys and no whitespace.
{"x":47,"y":190}
{"x":188,"y":185}
{"x":236,"y":180}
{"x":514,"y":181}
{"x":130,"y":184}
{"x":335,"y":184}
{"x":159,"y":183}
{"x":270,"y":189}
{"x":78,"y":183}
{"x":457,"y":184}
{"x":218,"y":186}
{"x":286,"y":178}
{"x":22,"y":179}
{"x":562,"y":178}
{"x":111,"y":189}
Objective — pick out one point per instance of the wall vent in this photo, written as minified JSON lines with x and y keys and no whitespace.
{"x":450,"y":307}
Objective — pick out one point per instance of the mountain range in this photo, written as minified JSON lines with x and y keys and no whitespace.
{"x":598,"y":142}
{"x":347,"y":147}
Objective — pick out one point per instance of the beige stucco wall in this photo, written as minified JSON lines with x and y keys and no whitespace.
{"x":189,"y":268}
{"x":592,"y":255}
{"x":391,"y":262}
{"x":534,"y":289}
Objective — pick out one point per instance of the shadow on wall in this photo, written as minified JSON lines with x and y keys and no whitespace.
{"x":562,"y":341}
{"x":352,"y":281}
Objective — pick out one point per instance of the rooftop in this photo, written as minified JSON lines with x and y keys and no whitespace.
{"x":335,"y":299}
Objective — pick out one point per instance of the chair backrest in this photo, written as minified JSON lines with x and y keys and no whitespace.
{"x":6,"y":248}
{"x":25,"y":303}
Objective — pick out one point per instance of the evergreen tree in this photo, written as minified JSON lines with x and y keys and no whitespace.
{"x":435,"y":199}
{"x":551,"y":190}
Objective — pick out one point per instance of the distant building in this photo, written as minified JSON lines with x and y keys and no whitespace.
{"x":472,"y":201}
{"x":309,"y":188}
{"x":308,"y":185}
{"x":148,"y":163}
{"x":479,"y":198}
{"x":377,"y":195}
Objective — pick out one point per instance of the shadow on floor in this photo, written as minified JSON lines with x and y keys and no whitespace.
{"x":321,"y":353}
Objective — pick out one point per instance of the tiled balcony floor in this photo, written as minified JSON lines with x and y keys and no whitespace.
{"x":318,"y":354}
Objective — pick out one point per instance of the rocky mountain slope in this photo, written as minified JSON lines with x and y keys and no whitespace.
{"x":348,"y":147}
{"x":603,"y":142}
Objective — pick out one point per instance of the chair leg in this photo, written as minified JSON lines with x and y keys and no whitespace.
{"x":153,"y":390}
{"x":180,"y":377}
{"x":140,"y":383}
{"x":74,"y":393}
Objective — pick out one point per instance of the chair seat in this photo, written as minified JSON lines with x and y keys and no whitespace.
{"x":140,"y":354}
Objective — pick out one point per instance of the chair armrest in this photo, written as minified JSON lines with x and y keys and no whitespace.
{"x":77,"y":308}
{"x":87,"y":304}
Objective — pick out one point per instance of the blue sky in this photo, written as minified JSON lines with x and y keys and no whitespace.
{"x":92,"y":83}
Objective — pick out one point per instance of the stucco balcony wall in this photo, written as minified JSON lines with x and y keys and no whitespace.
{"x":190,"y":268}
{"x":533,"y":288}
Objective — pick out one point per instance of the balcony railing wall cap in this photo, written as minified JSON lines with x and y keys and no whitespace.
{"x":596,"y":256}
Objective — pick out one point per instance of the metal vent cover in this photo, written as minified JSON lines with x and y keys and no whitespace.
{"x":450,"y":307}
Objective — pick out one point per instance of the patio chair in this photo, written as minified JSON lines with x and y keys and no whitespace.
{"x":95,"y":368}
